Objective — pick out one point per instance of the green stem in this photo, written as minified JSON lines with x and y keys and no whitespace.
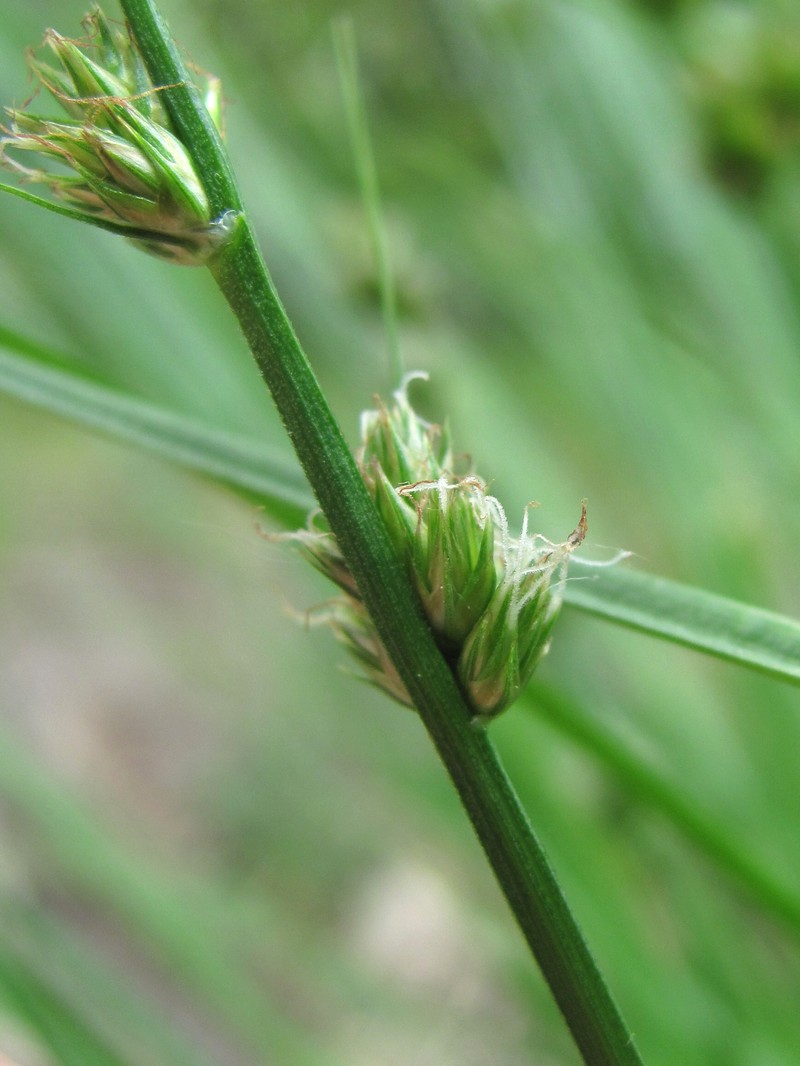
{"x":511,"y":846}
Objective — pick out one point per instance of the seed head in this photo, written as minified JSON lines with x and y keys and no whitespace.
{"x":491,"y":599}
{"x":505,"y":647}
{"x":115,"y":161}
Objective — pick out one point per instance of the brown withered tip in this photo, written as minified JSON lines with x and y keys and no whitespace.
{"x":578,"y":535}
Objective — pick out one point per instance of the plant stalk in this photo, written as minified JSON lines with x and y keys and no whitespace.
{"x":502,"y":827}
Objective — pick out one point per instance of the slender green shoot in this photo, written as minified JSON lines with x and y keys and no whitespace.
{"x":346,"y":48}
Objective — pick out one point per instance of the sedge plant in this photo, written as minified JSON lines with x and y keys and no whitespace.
{"x":572,"y":298}
{"x":442,"y":606}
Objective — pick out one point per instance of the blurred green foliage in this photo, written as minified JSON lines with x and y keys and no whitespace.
{"x":217,"y":846}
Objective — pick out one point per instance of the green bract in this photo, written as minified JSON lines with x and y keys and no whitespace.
{"x":491,"y":599}
{"x":115,"y":161}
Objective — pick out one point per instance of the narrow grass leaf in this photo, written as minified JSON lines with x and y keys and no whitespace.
{"x":671,"y":801}
{"x":701,"y":620}
{"x":57,"y":1025}
{"x":725,"y":628}
{"x":56,"y":968}
{"x":344,"y":40}
{"x":185,"y":929}
{"x":32,"y":374}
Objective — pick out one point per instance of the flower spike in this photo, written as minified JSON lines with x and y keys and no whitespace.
{"x":491,"y":599}
{"x":115,"y":160}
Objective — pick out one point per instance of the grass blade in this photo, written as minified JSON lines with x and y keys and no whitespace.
{"x":653,"y":788}
{"x":178,"y":918}
{"x":344,"y":40}
{"x":725,"y":628}
{"x":32,"y":374}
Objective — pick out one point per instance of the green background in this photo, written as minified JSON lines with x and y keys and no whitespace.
{"x":216,"y":845}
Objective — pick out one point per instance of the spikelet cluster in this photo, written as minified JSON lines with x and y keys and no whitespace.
{"x":491,"y":599}
{"x":113,"y":157}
